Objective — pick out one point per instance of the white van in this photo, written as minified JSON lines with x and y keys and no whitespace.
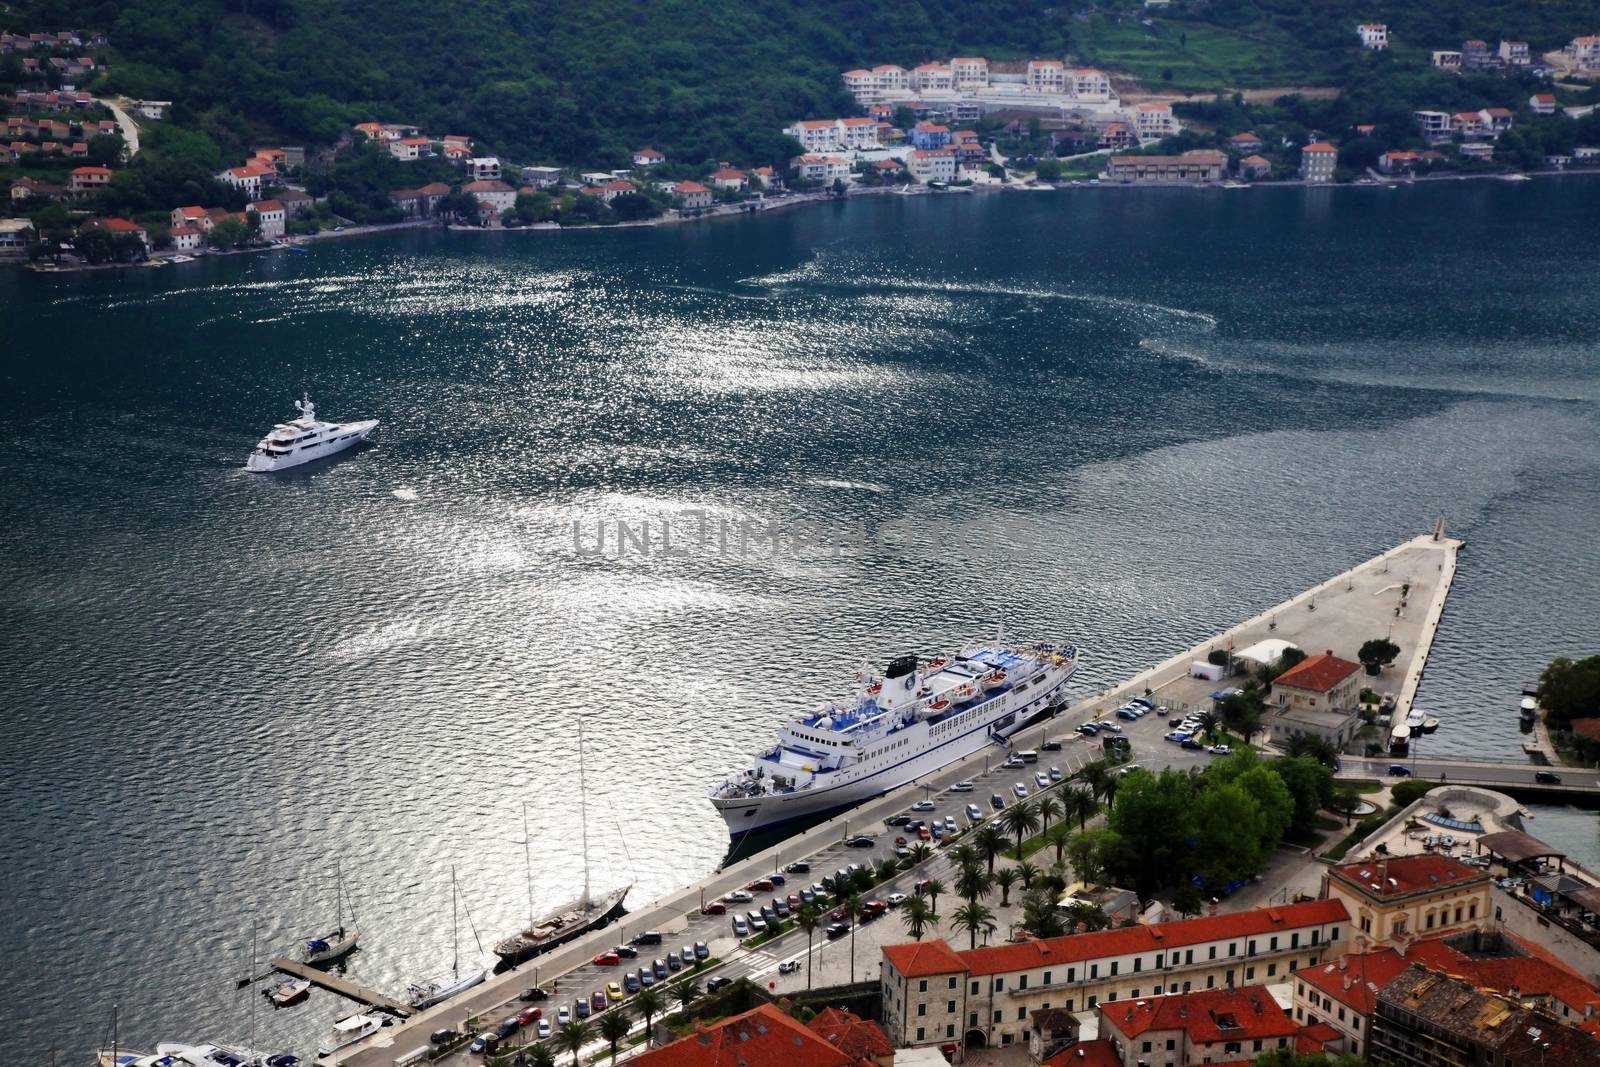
{"x":1028,"y":755}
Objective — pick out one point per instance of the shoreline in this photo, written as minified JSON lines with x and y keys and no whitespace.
{"x":803,"y":199}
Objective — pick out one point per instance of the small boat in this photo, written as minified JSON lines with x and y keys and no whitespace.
{"x":1415,"y":720}
{"x":1529,"y":708}
{"x":180,"y":259}
{"x":1530,"y":689}
{"x":341,"y":940}
{"x":993,"y":680}
{"x":1400,"y":740}
{"x":942,"y":704}
{"x":350,"y":1029}
{"x":302,"y":249}
{"x":1430,"y":724}
{"x":288,"y":991}
{"x":305,"y":439}
{"x":213,"y":1055}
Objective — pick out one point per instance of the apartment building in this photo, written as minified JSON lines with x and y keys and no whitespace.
{"x":1374,"y":36}
{"x":1409,"y":895}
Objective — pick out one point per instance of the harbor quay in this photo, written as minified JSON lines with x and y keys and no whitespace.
{"x":1399,"y":594}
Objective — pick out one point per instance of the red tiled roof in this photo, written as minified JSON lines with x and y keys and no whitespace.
{"x":692,"y":187}
{"x":183,"y":231}
{"x":266,"y":205}
{"x":435,"y":189}
{"x":1407,"y":874}
{"x":1354,"y":980}
{"x":729,"y":174}
{"x":118,"y":225}
{"x":1319,"y":147}
{"x":1323,"y":671}
{"x":91,"y":170}
{"x":1245,"y":138}
{"x":1316,"y":1038}
{"x":763,"y":1037}
{"x":486,"y":186}
{"x":918,"y":959}
{"x":1124,"y":941}
{"x":1255,"y":161}
{"x":1207,"y":1016}
{"x":1101,"y":1053}
{"x":858,"y":1038}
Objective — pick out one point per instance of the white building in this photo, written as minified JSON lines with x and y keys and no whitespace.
{"x":484,"y":168}
{"x":835,"y":135}
{"x":491,"y":193}
{"x":271,"y":217}
{"x":932,"y":164}
{"x":970,"y":72}
{"x":1089,"y":84}
{"x":1047,"y":76}
{"x":862,"y":84}
{"x":1515,"y":54}
{"x":1435,"y":125}
{"x":648,"y":157}
{"x":247,"y":178}
{"x":1153,"y":121}
{"x":932,"y":76}
{"x":892,"y":78}
{"x":1583,"y":52}
{"x":815,"y":167}
{"x":186,"y":238}
{"x":1374,"y":35}
{"x":1445,"y":59}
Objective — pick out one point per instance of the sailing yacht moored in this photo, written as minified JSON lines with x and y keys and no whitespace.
{"x":426,"y":994}
{"x":338,"y":942}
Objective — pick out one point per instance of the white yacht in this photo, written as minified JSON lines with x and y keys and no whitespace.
{"x":918,"y":716}
{"x":305,"y":439}
{"x":349,"y":1030}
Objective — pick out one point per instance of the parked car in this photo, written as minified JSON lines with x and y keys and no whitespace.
{"x":780,"y":907}
{"x":630,"y":982}
{"x":529,"y":1016}
{"x":563,"y":1015}
{"x":740,"y":927}
{"x":533,"y":993}
{"x":674,"y":962}
{"x":923,"y":805}
{"x":607,"y":959}
{"x":613,"y":992}
{"x":1220,"y":750}
{"x":996,"y":801}
{"x":1113,"y":727}
{"x":1547,"y":777}
{"x":1050,"y":746}
{"x":580,"y":1008}
{"x":776,"y":879}
{"x":789,"y":967}
{"x":794,"y":901}
{"x":1055,"y":774}
{"x":923,"y":833}
{"x":506,"y":1027}
{"x":939,"y":830}
{"x":647,"y":937}
{"x":1013,"y":760}
{"x":1040,"y":779}
{"x":760,"y":885}
{"x":961,"y":787}
{"x":1088,"y":729}
{"x":628,"y":952}
{"x":807,"y":896}
{"x":798,"y":867}
{"x":1127,"y":714}
{"x":860,"y":841}
{"x":702,"y":951}
{"x":974,"y":812}
{"x":715,"y":907}
{"x":484,"y":1044}
{"x":443,"y":1037}
{"x":755,"y":920}
{"x":898,"y":820}
{"x":659,"y":965}
{"x":544,"y":1029}
{"x":1020,"y":790}
{"x":597,"y":1000}
{"x":1192,"y":744}
{"x":647,"y":977}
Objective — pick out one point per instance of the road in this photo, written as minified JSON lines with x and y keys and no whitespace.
{"x":1467,"y":772}
{"x":130,"y":129}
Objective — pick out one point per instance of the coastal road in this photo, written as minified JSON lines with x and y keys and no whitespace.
{"x":130,"y":129}
{"x":1466,"y":772}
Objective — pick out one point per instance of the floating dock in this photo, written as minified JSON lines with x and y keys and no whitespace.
{"x":333,"y":983}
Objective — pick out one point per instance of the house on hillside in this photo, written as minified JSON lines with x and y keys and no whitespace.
{"x":1374,"y":36}
{"x":648,"y":157}
{"x":693,"y":195}
{"x":1317,"y":161}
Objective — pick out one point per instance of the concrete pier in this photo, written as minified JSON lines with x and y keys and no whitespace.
{"x":343,"y":986}
{"x":1340,"y":613}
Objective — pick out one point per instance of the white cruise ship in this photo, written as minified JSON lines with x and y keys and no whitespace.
{"x":305,"y":439}
{"x":921,"y":715}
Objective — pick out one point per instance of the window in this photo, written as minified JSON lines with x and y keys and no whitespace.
{"x":1047,"y":978}
{"x":1233,"y":948}
{"x":998,"y":1015}
{"x":1094,"y":970}
{"x":922,"y":1009}
{"x":1091,"y":1003}
{"x":1146,"y":1046}
{"x":1113,"y":968}
{"x":1249,"y":973}
{"x":1294,"y":940}
{"x":1252,"y":947}
{"x":1272,"y":969}
{"x":1314,"y":934}
{"x":1273,"y":944}
{"x":1211,"y":981}
{"x":919,"y":1033}
{"x":1022,"y":982}
{"x":972,"y":1018}
{"x":999,"y":984}
{"x":1213,"y":953}
{"x":1138,"y":964}
{"x":922,"y":986}
{"x":974,"y":988}
{"x":950,"y":1030}
{"x":1111,"y":996}
{"x":1188,"y":956}
{"x":1169,"y":1044}
{"x":950,"y":1007}
{"x":1072,"y":973}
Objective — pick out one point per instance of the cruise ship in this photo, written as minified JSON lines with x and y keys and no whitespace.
{"x":919,"y":716}
{"x":305,"y":439}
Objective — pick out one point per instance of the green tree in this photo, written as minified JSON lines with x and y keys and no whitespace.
{"x":1346,"y":801}
{"x":1570,"y":689}
{"x":614,"y":1025}
{"x":1049,"y":169}
{"x":916,"y":916}
{"x":1230,"y":834}
{"x":537,"y":1054}
{"x":973,"y":883}
{"x":852,"y":910}
{"x":228,"y":233}
{"x":1050,"y":807}
{"x":632,"y":207}
{"x":919,"y":854}
{"x":687,"y":993}
{"x":990,"y":841}
{"x":931,"y":888}
{"x":808,"y":918}
{"x":1209,"y":723}
{"x":1312,"y":747}
{"x":1082,"y":805}
{"x":973,"y":918}
{"x":1310,"y":784}
{"x":1005,"y":878}
{"x":571,"y":1037}
{"x":1377,"y":654}
{"x":1021,"y":819}
{"x":649,"y":1003}
{"x":1157,"y":813}
{"x":1058,"y":836}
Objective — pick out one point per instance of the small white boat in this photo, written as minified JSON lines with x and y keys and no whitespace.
{"x":1415,"y":720}
{"x":1529,"y":708}
{"x":305,"y":439}
{"x":180,"y":259}
{"x":123,"y":1058}
{"x":212,"y":1055}
{"x":349,"y":1030}
{"x":1430,"y":724}
{"x":341,"y":940}
{"x":287,"y":991}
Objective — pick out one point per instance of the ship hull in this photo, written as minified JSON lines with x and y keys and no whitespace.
{"x":608,"y":909}
{"x":769,"y":811}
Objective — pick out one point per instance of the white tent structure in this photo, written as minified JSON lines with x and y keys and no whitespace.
{"x":1264,"y":653}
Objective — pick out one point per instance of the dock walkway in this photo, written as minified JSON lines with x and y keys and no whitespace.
{"x":342,"y":986}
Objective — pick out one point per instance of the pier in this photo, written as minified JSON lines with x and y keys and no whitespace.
{"x":1353,"y":606}
{"x":342,"y":986}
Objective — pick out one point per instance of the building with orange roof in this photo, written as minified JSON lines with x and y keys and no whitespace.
{"x":730,"y":178}
{"x":84,"y":181}
{"x":1317,"y":163}
{"x":933,"y":994}
{"x":1320,"y":695}
{"x":1409,"y":895}
{"x":693,"y":196}
{"x":1255,"y":167}
{"x":863,"y":1040}
{"x":761,"y":1037}
{"x":1208,"y":1026}
{"x":1096,"y":1053}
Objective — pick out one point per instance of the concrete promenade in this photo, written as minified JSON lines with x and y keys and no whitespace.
{"x":1340,"y":613}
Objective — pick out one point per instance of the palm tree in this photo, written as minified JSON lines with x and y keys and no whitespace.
{"x":973,"y":882}
{"x":916,"y":915}
{"x":852,"y":910}
{"x":1111,"y":789}
{"x":614,"y":1026}
{"x":973,"y":917}
{"x":1096,"y":776}
{"x":863,"y":880}
{"x":1027,"y":874}
{"x":1021,"y":819}
{"x":1312,"y":747}
{"x":887,"y":869}
{"x":1050,"y":807}
{"x":919,"y":854}
{"x":686,"y":993}
{"x":1057,"y":836}
{"x":965,"y":856}
{"x":537,"y":1054}
{"x":649,"y":1003}
{"x":808,"y":919}
{"x":990,"y":842}
{"x":1209,"y":721}
{"x":1005,"y":878}
{"x":1083,"y":806}
{"x":931,"y":888}
{"x":573,"y":1036}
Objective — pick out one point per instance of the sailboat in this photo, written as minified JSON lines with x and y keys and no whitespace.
{"x":337,"y":943}
{"x":570,"y":920}
{"x":426,"y":994}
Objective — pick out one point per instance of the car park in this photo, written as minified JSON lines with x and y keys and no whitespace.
{"x":996,"y":801}
{"x":924,"y":805}
{"x":715,"y":907}
{"x":580,"y":1008}
{"x":544,"y":1029}
{"x":529,"y":1016}
{"x":740,"y":927}
{"x":974,"y":812}
{"x":1020,"y":790}
{"x":702,"y":951}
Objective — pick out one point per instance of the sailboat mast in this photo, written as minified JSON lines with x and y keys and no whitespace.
{"x":455,"y":937}
{"x":252,"y":999}
{"x":583,"y":809}
{"x":527,"y":861}
{"x":113,"y":1035}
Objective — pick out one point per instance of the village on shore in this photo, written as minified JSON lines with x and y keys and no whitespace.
{"x":965,"y":123}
